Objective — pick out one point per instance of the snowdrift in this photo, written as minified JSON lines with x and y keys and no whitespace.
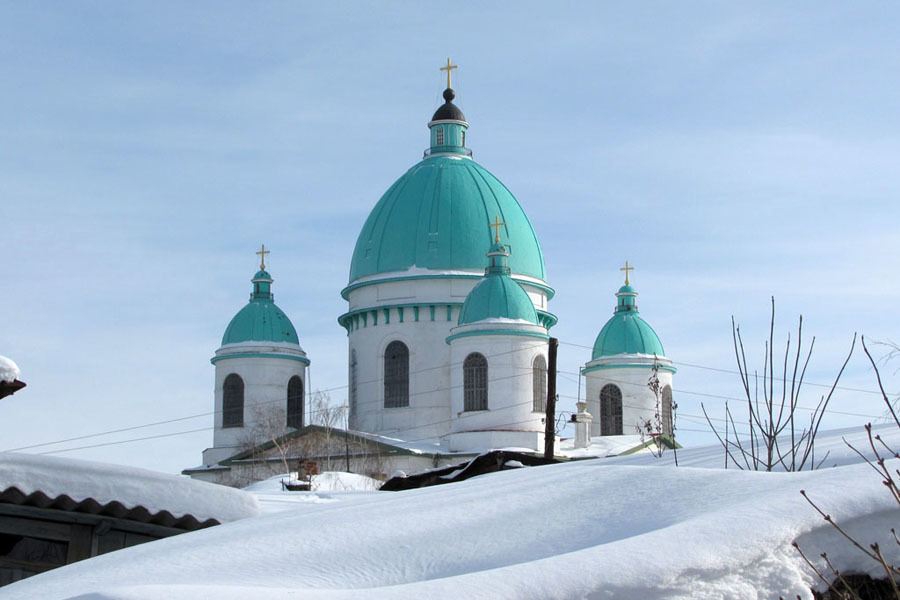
{"x":589,"y":529}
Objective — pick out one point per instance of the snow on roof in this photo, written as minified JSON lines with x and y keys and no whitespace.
{"x":592,"y":528}
{"x":601,"y":446}
{"x":9,"y":370}
{"x":79,"y":480}
{"x":425,"y":446}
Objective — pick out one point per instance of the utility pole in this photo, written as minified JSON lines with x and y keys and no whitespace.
{"x":347,"y":435}
{"x":550,"y":418}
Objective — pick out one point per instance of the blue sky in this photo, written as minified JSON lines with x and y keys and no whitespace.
{"x":730,"y":152}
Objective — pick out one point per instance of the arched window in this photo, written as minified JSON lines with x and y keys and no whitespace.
{"x":539,"y":384}
{"x":352,"y":394}
{"x":475,"y":382}
{"x":667,"y":418}
{"x":233,"y":401}
{"x":295,"y":402}
{"x":396,"y":375}
{"x":610,"y":410}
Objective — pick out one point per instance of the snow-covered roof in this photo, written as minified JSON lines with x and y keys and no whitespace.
{"x":9,"y":370}
{"x":77,"y":485}
{"x":601,"y":446}
{"x":630,"y":527}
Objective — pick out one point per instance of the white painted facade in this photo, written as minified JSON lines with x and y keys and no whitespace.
{"x":430,"y":302}
{"x":265,"y":369}
{"x":630,"y":373}
{"x":510,"y":419}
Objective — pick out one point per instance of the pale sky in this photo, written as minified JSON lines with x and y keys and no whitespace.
{"x":730,"y":152}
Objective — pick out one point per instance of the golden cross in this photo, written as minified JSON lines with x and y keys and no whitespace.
{"x":262,"y":257}
{"x":626,"y":268}
{"x":497,"y":225}
{"x":448,"y":68}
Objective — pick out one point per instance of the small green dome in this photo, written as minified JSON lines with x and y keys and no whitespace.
{"x":497,"y":296}
{"x":626,"y":332}
{"x":437,"y":215}
{"x":260,"y":320}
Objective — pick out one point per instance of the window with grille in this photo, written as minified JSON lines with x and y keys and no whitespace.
{"x":475,"y":382}
{"x":667,"y":418}
{"x":539,"y":384}
{"x":463,"y":135}
{"x":233,"y":401}
{"x":295,"y":402}
{"x":439,"y":137}
{"x":610,"y":410}
{"x":396,"y":375}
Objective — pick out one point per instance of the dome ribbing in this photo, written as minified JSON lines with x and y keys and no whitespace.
{"x":260,"y":320}
{"x":497,"y":296}
{"x":626,"y":332}
{"x":436,"y":215}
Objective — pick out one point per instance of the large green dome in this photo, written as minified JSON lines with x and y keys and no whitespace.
{"x":626,"y":332}
{"x":437,"y":215}
{"x":260,"y":320}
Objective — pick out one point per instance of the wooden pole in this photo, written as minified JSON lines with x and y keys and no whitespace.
{"x":550,"y":418}
{"x":347,"y":436}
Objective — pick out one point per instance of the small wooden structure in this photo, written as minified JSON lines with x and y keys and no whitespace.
{"x":56,"y":511}
{"x":39,"y":533}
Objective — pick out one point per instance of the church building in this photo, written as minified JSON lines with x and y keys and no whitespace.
{"x":447,"y":324}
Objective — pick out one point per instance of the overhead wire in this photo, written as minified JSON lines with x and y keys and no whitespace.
{"x":311,"y":412}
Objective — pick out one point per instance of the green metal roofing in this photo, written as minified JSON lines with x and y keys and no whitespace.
{"x":437,"y":215}
{"x":497,"y":296}
{"x":626,"y":332}
{"x":260,"y":320}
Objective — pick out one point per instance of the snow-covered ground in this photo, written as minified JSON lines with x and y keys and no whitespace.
{"x":326,"y":487}
{"x":629,"y":527}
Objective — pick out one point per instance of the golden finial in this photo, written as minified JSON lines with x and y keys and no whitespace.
{"x":497,"y":225}
{"x":448,"y":68}
{"x":262,"y":257}
{"x":626,"y":268}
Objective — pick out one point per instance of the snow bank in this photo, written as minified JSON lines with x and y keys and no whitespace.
{"x":587,"y":529}
{"x":337,"y":481}
{"x":323,"y":482}
{"x":80,"y":480}
{"x":327,"y":487}
{"x":9,"y":370}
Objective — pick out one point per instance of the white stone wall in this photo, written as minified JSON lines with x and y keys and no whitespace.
{"x":429,"y":414}
{"x":631,"y":373}
{"x":265,"y":389}
{"x":510,"y":380}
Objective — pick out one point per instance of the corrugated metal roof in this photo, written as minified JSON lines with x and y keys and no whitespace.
{"x":13,"y":495}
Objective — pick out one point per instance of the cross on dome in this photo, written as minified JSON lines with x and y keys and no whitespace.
{"x":497,"y":225}
{"x":448,"y":68}
{"x":262,"y":257}
{"x":626,"y":268}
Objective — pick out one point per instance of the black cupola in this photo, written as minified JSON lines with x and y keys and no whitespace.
{"x":448,"y":111}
